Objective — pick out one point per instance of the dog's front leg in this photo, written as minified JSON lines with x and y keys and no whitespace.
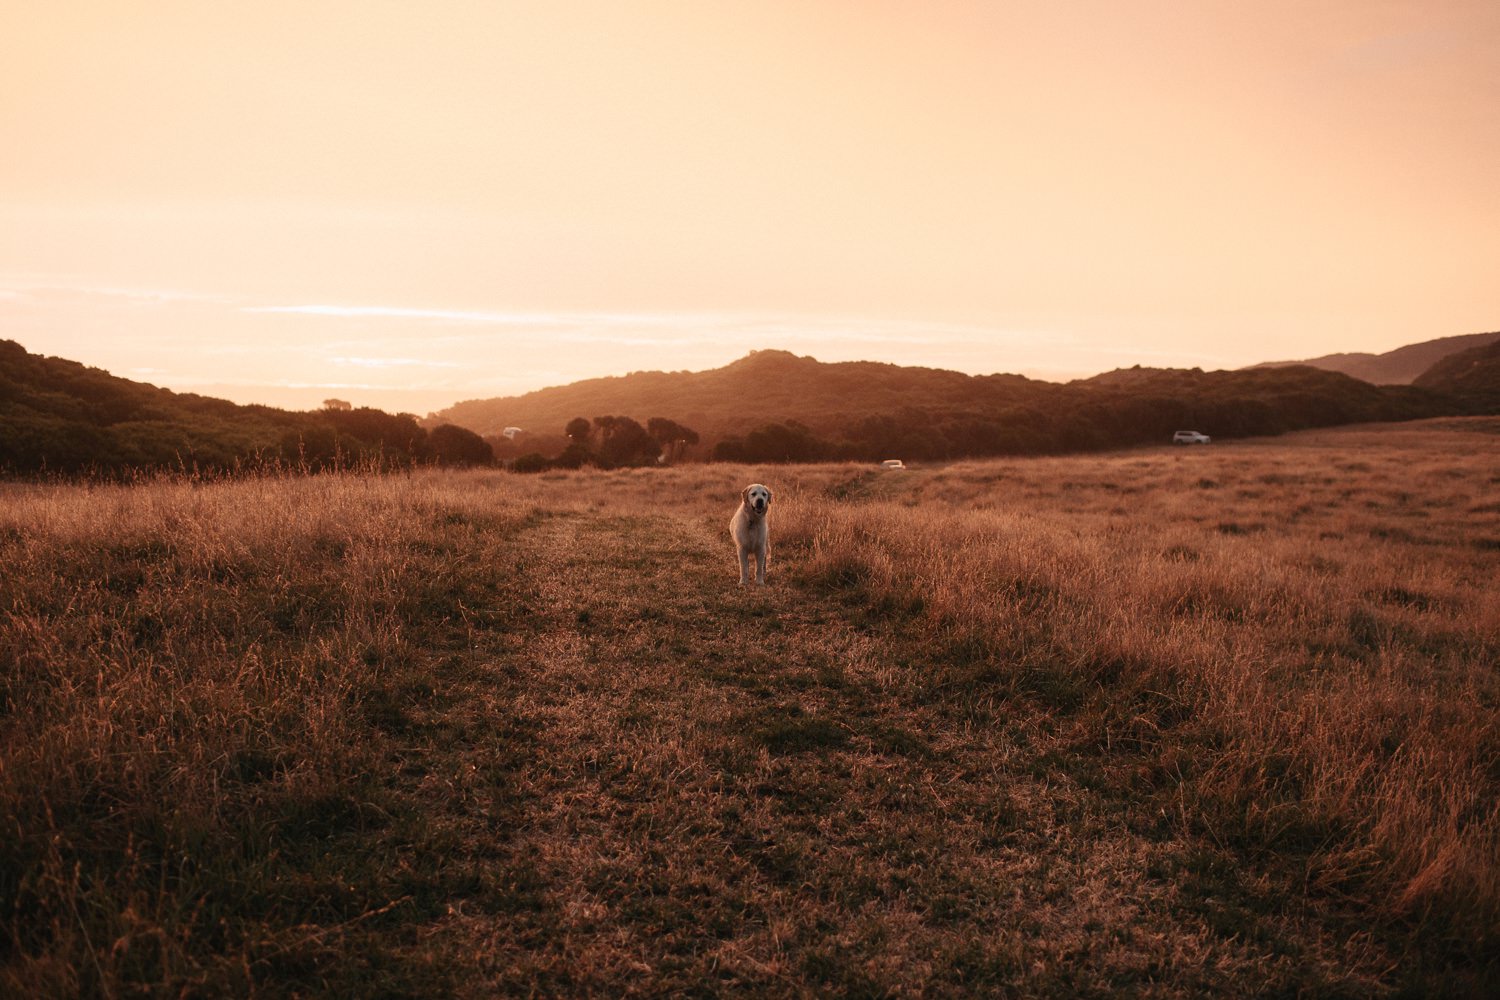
{"x":744,"y":566}
{"x":762,"y":557}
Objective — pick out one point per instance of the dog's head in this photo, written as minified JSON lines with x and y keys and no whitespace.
{"x":757,"y":497}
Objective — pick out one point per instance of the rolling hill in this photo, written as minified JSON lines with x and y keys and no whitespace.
{"x":776,"y":406}
{"x":1399,"y":367}
{"x":60,"y":416}
{"x":770,"y":406}
{"x":1472,"y":375}
{"x":768,"y":385}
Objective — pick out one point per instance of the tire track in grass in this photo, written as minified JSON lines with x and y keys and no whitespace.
{"x":715,"y":790}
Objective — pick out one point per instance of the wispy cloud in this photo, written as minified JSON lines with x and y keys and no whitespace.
{"x":399,"y":312}
{"x":419,"y":358}
{"x":393,"y":363}
{"x":673,"y":327}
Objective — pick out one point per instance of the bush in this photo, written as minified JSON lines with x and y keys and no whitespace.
{"x":531,"y":462}
{"x":450,"y":445}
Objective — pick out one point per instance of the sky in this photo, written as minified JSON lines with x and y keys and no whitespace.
{"x":406,"y":205}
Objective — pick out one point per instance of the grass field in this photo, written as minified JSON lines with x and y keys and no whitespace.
{"x":1212,"y":721}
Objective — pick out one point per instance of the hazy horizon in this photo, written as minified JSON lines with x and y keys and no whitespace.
{"x":406,"y":207}
{"x":420,"y":361}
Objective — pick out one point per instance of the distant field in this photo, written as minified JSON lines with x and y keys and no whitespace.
{"x":1169,"y":722}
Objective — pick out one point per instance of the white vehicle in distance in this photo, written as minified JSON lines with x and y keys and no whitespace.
{"x":893,"y":463}
{"x":1190,"y":437}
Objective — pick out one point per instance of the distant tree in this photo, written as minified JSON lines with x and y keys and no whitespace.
{"x":579,"y":430}
{"x":450,"y":445}
{"x":367,"y":432}
{"x":730,"y":449}
{"x":579,"y":451}
{"x":574,"y":456}
{"x":788,"y":442}
{"x":337,"y":404}
{"x":626,"y":443}
{"x":672,"y":436}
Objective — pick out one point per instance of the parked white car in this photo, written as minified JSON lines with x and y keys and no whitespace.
{"x":893,"y":463}
{"x":1190,"y":437}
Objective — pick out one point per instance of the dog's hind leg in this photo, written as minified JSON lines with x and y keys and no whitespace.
{"x":762,"y":558}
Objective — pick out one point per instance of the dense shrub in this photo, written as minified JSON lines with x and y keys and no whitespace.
{"x":450,"y":445}
{"x":531,"y":462}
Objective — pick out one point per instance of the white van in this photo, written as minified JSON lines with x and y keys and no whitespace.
{"x":1190,"y":437}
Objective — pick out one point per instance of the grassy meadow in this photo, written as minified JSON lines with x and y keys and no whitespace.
{"x":1164,"y":722}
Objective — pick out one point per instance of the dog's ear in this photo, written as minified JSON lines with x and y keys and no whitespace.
{"x":745,"y":495}
{"x":769,"y":494}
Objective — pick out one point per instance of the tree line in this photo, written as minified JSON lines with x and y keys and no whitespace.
{"x":58,"y":416}
{"x":612,"y":442}
{"x":367,"y":436}
{"x":1054,"y":420}
{"x":1076,"y":418}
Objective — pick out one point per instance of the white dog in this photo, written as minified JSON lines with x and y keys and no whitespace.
{"x":751,"y":535}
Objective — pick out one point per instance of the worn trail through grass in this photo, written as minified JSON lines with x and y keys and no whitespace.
{"x":656,"y":782}
{"x":1158,"y":723}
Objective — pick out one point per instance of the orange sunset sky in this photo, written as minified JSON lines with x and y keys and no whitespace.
{"x":407,"y":204}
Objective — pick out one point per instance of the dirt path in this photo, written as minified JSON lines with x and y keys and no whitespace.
{"x":646,"y":780}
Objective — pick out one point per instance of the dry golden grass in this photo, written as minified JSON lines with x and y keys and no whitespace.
{"x":1303,"y":636}
{"x":1166,"y":723}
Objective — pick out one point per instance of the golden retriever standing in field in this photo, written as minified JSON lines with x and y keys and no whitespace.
{"x":750,"y":532}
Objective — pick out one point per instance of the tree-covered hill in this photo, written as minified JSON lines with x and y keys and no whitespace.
{"x":763,"y":386}
{"x":775,"y":406}
{"x":61,"y":416}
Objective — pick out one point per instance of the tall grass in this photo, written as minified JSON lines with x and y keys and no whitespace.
{"x":362,"y":734}
{"x":1292,"y":650}
{"x":181,"y":671}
